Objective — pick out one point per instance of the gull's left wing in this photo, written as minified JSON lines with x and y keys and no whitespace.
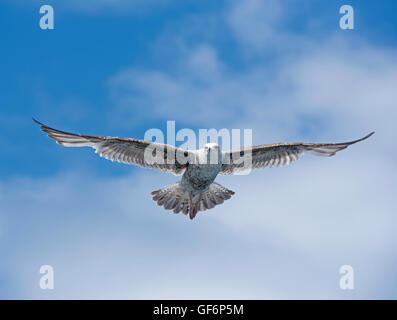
{"x":270,"y":155}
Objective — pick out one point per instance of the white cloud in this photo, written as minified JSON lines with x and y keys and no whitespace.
{"x":257,"y":23}
{"x":336,"y":91}
{"x":332,"y":88}
{"x":283,"y":235}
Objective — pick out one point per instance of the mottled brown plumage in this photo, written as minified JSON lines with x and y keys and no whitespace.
{"x":269,"y":155}
{"x":125,"y":150}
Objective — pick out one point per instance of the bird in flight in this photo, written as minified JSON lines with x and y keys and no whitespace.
{"x":196,"y":191}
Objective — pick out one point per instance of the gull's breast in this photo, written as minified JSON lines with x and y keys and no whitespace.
{"x":199,"y":177}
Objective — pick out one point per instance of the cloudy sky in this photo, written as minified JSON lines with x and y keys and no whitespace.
{"x":281,"y":68}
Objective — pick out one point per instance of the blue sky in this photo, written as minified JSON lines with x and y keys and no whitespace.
{"x":281,"y":68}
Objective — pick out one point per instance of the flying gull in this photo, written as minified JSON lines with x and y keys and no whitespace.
{"x":196,"y":191}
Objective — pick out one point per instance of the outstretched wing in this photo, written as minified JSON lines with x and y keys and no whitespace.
{"x":278,"y":154}
{"x":131,"y":151}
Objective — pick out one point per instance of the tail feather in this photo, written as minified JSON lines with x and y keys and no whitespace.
{"x":175,"y":198}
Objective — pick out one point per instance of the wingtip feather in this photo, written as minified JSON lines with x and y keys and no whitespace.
{"x":38,"y":122}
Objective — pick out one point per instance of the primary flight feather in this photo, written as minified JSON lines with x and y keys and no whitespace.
{"x":196,"y":191}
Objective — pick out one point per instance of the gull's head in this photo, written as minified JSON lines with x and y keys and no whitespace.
{"x":211,"y":147}
{"x":212,"y":153}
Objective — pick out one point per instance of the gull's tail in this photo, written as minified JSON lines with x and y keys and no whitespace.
{"x":174,"y":197}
